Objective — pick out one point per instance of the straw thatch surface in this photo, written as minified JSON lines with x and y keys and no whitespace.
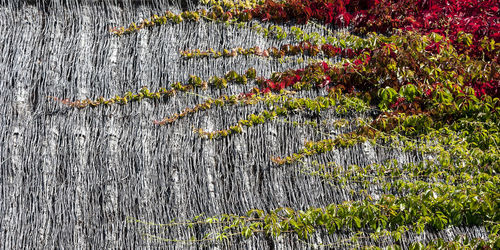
{"x":69,"y":178}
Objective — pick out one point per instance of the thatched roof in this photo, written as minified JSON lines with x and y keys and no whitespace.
{"x":70,"y":177}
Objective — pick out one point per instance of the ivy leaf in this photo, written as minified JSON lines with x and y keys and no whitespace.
{"x":246,"y":232}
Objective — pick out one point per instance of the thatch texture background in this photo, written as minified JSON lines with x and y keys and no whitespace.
{"x":69,"y":178}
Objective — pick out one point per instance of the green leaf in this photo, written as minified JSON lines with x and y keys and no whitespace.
{"x":357,"y":221}
{"x":246,"y":232}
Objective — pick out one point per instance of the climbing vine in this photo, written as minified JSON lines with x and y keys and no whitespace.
{"x":426,"y":71}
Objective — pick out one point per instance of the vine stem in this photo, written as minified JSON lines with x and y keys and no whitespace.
{"x":199,"y":95}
